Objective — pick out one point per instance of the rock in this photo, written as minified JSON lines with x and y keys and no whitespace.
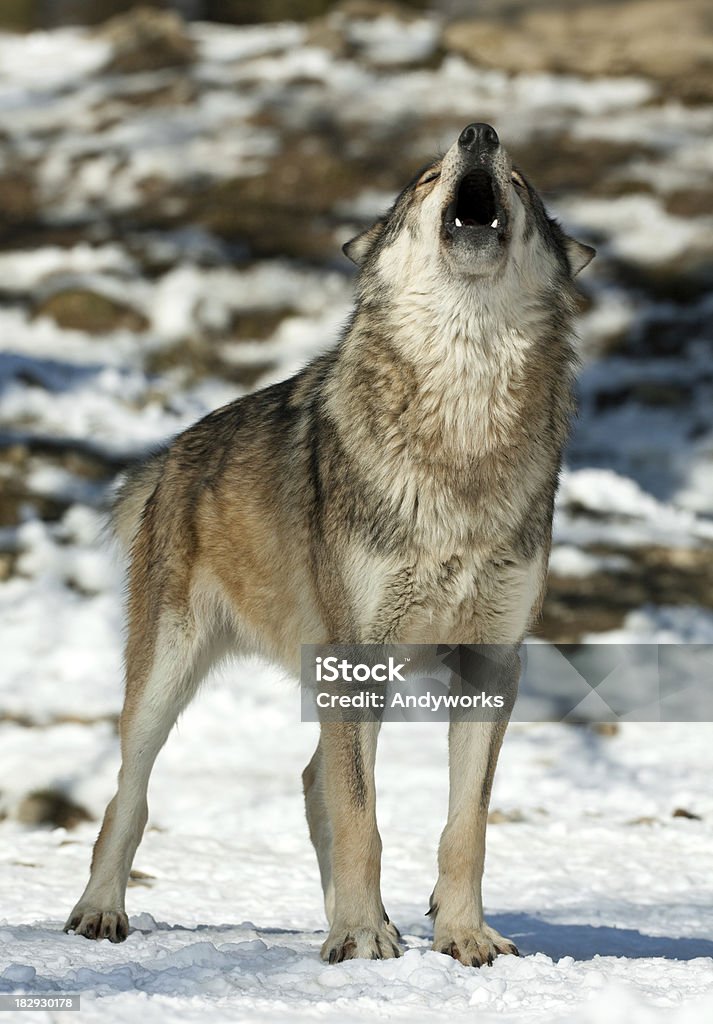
{"x":16,"y":497}
{"x":371,"y":10}
{"x":286,"y":210}
{"x":605,"y":728}
{"x":654,"y":38}
{"x":601,"y":600}
{"x":246,"y":12}
{"x":146,"y":39}
{"x":565,"y":164}
{"x":8,"y":563}
{"x":197,"y":358}
{"x":256,"y":324}
{"x":18,"y":198}
{"x":683,"y":279}
{"x":681,"y":812}
{"x":289,"y":208}
{"x":690,"y":202}
{"x":498,"y":817}
{"x":646,"y":393}
{"x":218,"y":355}
{"x":666,"y":334}
{"x":18,"y":15}
{"x":140,"y":878}
{"x":26,"y":15}
{"x":178,"y":91}
{"x":51,"y":807}
{"x":81,"y":309}
{"x":19,"y":460}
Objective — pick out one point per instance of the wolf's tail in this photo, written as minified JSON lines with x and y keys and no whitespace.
{"x":137,"y":486}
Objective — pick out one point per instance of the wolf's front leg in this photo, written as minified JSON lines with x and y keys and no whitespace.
{"x":359,"y":927}
{"x":457,"y":903}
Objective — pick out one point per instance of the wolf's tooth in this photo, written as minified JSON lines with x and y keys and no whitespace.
{"x":495,"y":223}
{"x":458,"y":222}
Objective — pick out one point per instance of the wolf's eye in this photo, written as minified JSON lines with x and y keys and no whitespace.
{"x":517,"y":180}
{"x":431,"y":176}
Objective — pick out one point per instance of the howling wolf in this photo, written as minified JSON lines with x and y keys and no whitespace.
{"x":398,"y":489}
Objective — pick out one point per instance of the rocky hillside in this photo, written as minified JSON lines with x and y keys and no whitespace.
{"x":173,"y":198}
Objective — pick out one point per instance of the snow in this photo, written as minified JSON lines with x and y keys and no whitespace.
{"x":666,"y":126}
{"x":645,"y":232}
{"x":607,"y":894}
{"x":517,"y":104}
{"x":47,"y":60}
{"x":389,"y":40}
{"x":635,"y":516}
{"x":216,"y":45}
{"x":189,"y":295}
{"x":230,"y":921}
{"x":566,"y":560}
{"x":661,"y":625}
{"x":25,"y":270}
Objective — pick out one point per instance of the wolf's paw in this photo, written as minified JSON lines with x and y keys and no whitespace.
{"x":473,"y":948}
{"x":98,"y":924}
{"x":361,"y":943}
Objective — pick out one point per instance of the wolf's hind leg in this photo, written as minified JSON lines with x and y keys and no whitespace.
{"x":359,"y":926}
{"x":163,"y":673}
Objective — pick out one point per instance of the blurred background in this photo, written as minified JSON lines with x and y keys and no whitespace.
{"x":174,"y":194}
{"x":176,"y":182}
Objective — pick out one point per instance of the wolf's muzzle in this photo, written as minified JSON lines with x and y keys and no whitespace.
{"x":477,"y":202}
{"x":475,"y":216}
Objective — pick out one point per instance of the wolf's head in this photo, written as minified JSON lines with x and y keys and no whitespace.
{"x":470,"y":217}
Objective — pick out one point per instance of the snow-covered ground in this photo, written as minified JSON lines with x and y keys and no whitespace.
{"x":608,"y":895}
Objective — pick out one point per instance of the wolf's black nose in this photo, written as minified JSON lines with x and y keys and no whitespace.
{"x":478,"y":136}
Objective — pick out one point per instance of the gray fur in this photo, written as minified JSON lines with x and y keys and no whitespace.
{"x":399,"y":489}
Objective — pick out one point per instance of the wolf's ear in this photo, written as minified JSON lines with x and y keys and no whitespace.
{"x":579,"y":255}
{"x":358,"y":248}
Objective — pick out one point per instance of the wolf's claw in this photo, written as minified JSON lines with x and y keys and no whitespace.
{"x":99,"y":924}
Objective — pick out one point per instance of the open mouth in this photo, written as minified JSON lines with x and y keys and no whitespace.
{"x":475,"y":204}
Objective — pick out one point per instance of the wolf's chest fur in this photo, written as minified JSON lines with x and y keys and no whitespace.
{"x":459,"y":450}
{"x":455,"y":441}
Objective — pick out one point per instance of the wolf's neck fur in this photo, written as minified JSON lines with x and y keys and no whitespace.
{"x":455,"y":420}
{"x":463,"y":368}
